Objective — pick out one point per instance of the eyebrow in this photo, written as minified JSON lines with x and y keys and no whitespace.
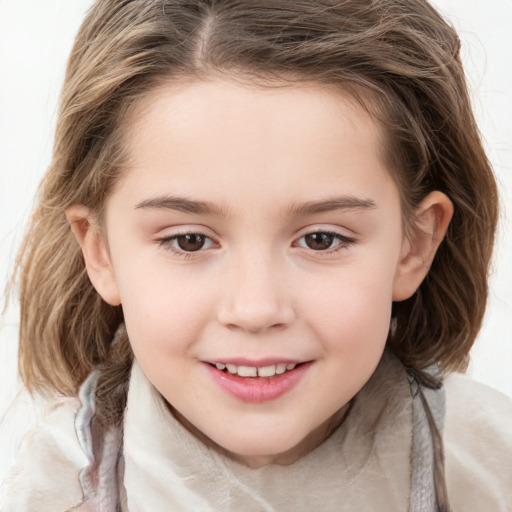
{"x":182,"y":204}
{"x":336,"y":203}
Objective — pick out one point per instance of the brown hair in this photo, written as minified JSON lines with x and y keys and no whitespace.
{"x":399,"y":53}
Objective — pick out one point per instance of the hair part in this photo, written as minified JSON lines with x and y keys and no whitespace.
{"x":398,"y":58}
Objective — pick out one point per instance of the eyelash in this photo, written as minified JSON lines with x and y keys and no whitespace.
{"x":166,"y":244}
{"x":343,"y":242}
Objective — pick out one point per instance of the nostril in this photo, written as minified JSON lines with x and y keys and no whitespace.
{"x":253,"y":312}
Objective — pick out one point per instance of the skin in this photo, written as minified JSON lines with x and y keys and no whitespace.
{"x":261,"y":158}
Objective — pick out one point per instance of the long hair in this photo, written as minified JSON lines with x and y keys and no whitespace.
{"x":400,"y":60}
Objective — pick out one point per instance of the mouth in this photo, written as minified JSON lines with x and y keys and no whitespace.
{"x":268,"y":370}
{"x":257,"y":382}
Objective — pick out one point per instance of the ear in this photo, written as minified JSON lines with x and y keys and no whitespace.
{"x":97,"y":259}
{"x":429,"y":227}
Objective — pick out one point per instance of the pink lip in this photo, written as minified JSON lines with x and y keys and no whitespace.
{"x":257,"y":389}
{"x":238,"y":361}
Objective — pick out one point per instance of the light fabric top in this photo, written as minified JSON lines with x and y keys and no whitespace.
{"x":364,"y":466}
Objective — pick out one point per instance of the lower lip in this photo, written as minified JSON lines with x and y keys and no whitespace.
{"x":258,"y":389}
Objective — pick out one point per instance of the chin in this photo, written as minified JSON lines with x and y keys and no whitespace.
{"x":261,"y":448}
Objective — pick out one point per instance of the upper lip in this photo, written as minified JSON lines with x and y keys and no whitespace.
{"x":258,"y":363}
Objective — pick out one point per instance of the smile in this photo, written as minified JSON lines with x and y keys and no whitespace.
{"x":257,"y":383}
{"x":256,"y":371}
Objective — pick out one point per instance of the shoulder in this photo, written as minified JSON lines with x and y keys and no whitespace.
{"x":45,"y":474}
{"x":478,"y":445}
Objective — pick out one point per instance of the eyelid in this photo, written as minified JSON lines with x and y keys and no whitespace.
{"x":344,"y":240}
{"x":166,"y":242}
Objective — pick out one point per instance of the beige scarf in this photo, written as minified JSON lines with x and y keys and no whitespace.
{"x":386,"y":456}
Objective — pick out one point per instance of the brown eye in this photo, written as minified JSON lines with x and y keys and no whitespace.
{"x":319,"y":241}
{"x":191,"y":242}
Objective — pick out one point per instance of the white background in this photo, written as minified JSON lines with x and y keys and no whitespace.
{"x":35,"y":39}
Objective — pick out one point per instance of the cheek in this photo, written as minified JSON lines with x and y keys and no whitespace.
{"x":164,"y":312}
{"x":352,"y":309}
{"x":352,"y":325}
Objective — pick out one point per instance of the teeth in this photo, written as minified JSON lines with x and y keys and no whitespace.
{"x":247,"y":371}
{"x":267,"y":371}
{"x":253,"y":371}
{"x":232,"y":368}
{"x":280,"y":368}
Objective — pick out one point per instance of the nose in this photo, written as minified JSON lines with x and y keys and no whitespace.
{"x":255,"y":295}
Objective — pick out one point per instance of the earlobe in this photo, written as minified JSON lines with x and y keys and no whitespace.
{"x":428,"y":230}
{"x":88,"y":234}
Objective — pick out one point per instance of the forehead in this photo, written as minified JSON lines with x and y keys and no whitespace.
{"x":299,"y":103}
{"x":251,"y":139}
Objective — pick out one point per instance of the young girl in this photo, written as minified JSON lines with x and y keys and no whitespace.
{"x":260,"y":251}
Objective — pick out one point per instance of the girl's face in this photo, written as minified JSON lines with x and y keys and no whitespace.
{"x":255,"y":232}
